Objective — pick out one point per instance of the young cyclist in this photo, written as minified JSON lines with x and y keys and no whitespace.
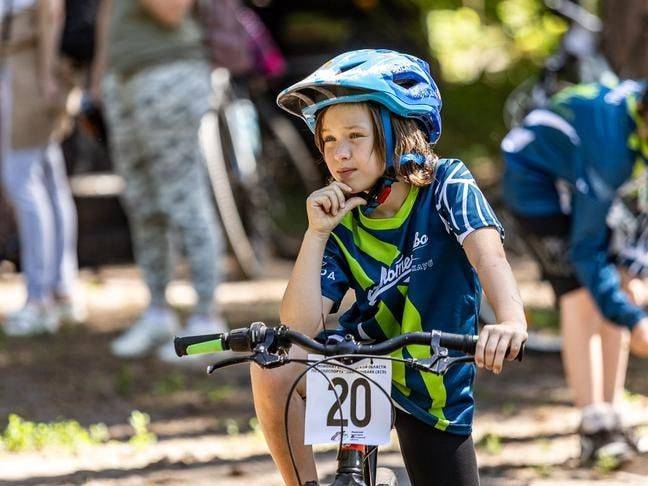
{"x":413,"y":236}
{"x":564,"y":166}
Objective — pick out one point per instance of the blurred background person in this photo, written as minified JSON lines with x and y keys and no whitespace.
{"x":563,"y":169}
{"x":152,"y":71}
{"x":34,"y":83}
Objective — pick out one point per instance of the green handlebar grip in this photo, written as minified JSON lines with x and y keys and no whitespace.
{"x":208,"y":343}
{"x":206,"y":347}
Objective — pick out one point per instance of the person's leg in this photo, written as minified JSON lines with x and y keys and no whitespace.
{"x":22,"y":176}
{"x":172,"y":101}
{"x":148,"y":224}
{"x":581,"y":353}
{"x":615,"y":345}
{"x":23,"y":180}
{"x":65,"y":219}
{"x":595,"y":364}
{"x":433,"y":457}
{"x":270,"y":389}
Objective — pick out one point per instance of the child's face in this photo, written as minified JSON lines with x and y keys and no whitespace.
{"x":348,"y":136}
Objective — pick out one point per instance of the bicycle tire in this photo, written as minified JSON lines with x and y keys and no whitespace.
{"x":385,"y":477}
{"x":246,"y":252}
{"x":296,"y":150}
{"x":289,"y":174}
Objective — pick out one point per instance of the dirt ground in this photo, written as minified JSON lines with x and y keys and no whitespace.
{"x":205,"y":427}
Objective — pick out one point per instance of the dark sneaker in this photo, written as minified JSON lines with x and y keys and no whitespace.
{"x":605,"y":444}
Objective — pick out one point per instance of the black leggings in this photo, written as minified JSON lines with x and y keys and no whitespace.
{"x":433,"y":457}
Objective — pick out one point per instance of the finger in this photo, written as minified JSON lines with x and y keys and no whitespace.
{"x":515,"y":346}
{"x":323,"y":202}
{"x":340,"y":195}
{"x":354,"y":202}
{"x":490,"y":350}
{"x":335,"y":203}
{"x":500,"y":353}
{"x":344,"y":187}
{"x":481,"y":347}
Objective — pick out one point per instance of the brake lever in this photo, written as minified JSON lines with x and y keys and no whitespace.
{"x":439,"y":365}
{"x":439,"y":361}
{"x":227,"y":362}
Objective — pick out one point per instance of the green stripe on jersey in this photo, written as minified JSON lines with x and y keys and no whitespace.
{"x":356,"y":269}
{"x":382,"y":251}
{"x":433,"y":383}
{"x":387,"y":322}
{"x":398,"y":373}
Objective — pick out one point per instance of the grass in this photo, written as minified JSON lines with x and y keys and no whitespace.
{"x":22,"y":435}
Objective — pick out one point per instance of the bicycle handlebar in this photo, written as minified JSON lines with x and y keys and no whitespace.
{"x":260,"y":338}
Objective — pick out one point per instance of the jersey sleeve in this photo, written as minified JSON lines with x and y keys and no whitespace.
{"x":460,"y":203}
{"x":592,"y":264}
{"x":334,"y":276}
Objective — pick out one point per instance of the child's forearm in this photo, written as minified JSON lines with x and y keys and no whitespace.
{"x":302,"y":307}
{"x":501,"y":290}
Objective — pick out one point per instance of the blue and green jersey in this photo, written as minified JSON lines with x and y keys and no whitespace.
{"x":410,"y":273}
{"x":571,"y":158}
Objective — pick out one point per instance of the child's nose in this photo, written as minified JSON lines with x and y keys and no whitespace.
{"x":342,"y":152}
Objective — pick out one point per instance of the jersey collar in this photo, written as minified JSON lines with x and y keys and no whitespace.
{"x":397,"y":219}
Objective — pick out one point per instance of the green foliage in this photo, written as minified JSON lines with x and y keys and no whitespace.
{"x":491,"y":442}
{"x":607,"y":463}
{"x":220,"y":393}
{"x":124,"y":381}
{"x":140,"y":423}
{"x":509,"y":409}
{"x":543,"y":319}
{"x":482,"y":37}
{"x":255,"y":426}
{"x":172,"y":383}
{"x":543,"y":470}
{"x":232,"y":427}
{"x":25,"y":436}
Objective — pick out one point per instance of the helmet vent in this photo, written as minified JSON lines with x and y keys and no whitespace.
{"x":407,"y":80}
{"x":406,"y":83}
{"x":350,"y":66}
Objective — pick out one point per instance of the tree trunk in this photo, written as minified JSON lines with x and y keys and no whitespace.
{"x":625,"y":36}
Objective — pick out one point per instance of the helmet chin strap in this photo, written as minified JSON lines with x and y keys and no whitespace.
{"x":382,"y":188}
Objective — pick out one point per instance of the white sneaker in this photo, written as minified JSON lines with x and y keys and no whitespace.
{"x":196,"y":325}
{"x":200,"y":324}
{"x":71,"y":312}
{"x":32,"y":319}
{"x":154,"y":327}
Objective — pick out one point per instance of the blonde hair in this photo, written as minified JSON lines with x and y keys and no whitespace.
{"x":408,"y":137}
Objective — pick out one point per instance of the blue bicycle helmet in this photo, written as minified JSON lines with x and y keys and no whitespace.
{"x":399,"y":83}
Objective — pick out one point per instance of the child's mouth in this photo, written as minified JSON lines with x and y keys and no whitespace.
{"x":345,"y":172}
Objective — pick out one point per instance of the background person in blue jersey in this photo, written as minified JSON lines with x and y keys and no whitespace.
{"x":564,"y":166}
{"x":414,"y":248}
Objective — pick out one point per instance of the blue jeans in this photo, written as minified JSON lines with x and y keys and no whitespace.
{"x":36,"y":184}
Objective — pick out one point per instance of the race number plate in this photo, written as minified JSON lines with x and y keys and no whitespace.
{"x":365,"y":412}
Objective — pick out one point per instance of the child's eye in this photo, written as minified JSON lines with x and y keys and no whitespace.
{"x":329,"y":139}
{"x":356,"y":135}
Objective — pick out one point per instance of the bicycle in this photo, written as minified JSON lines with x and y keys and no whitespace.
{"x":245,"y":149}
{"x":357,"y":464}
